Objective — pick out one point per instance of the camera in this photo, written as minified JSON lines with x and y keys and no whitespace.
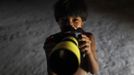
{"x":65,"y":57}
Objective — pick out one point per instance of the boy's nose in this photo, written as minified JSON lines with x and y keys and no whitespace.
{"x":75,"y":22}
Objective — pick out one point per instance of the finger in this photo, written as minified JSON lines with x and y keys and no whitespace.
{"x":84,"y":49}
{"x":84,"y":44}
{"x":83,"y":38}
{"x":87,"y":42}
{"x":82,"y":35}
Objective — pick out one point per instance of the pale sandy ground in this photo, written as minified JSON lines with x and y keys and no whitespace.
{"x":25,"y":26}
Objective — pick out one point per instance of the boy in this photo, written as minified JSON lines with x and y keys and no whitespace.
{"x":71,"y":15}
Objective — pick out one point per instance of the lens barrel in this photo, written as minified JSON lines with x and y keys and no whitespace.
{"x":65,"y":57}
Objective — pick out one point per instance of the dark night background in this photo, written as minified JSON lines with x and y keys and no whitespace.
{"x":25,"y":24}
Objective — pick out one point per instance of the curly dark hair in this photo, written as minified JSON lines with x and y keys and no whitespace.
{"x":64,"y":8}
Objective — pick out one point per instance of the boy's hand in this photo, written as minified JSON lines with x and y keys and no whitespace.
{"x":84,"y":44}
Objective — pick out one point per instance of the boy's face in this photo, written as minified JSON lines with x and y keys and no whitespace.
{"x":74,"y":22}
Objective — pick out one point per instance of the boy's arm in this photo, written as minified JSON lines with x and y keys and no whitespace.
{"x":92,"y":57}
{"x":88,"y":47}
